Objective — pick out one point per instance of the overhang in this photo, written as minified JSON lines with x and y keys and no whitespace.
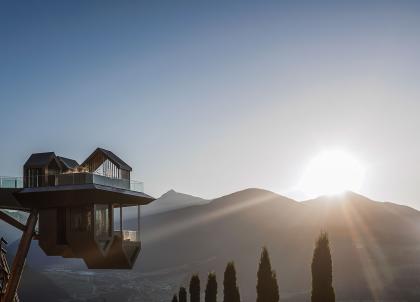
{"x":79,"y":195}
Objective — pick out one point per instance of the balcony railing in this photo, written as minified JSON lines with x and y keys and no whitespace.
{"x":11,"y":182}
{"x":71,"y":179}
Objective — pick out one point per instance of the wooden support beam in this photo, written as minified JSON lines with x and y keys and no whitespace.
{"x":20,"y":257}
{"x":13,"y":222}
{"x":10,"y":220}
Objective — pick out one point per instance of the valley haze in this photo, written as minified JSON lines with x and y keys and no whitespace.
{"x":374,"y":249}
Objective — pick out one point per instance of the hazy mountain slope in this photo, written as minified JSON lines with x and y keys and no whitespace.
{"x":39,"y":261}
{"x":171,"y":200}
{"x":375,"y":248}
{"x":367,"y":238}
{"x":35,"y":286}
{"x":9,"y":233}
{"x":200,"y":231}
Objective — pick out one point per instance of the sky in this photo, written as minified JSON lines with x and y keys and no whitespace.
{"x":211,"y":97}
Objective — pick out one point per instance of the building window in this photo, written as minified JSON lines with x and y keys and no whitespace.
{"x":108,"y":169}
{"x":102,"y":221}
{"x":81,"y":219}
{"x":34,"y":177}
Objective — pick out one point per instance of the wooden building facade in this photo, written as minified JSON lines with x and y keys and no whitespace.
{"x":76,"y":216}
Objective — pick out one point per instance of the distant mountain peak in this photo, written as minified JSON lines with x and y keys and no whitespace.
{"x":171,"y":191}
{"x":254,"y":194}
{"x":343,"y":196}
{"x":258,"y":191}
{"x":172,"y":200}
{"x":172,"y":194}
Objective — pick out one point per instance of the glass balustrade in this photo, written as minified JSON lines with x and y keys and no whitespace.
{"x":75,"y":179}
{"x":11,"y":182}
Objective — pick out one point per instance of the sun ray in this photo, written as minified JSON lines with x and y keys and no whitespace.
{"x":193,"y":221}
{"x":370,"y":254}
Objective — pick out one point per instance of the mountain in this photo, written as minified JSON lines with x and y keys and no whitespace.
{"x":375,"y":249}
{"x":375,"y":245}
{"x":172,"y":200}
{"x":9,"y":233}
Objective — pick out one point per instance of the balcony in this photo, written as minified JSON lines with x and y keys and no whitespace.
{"x":90,"y":178}
{"x":82,"y":178}
{"x":11,"y":182}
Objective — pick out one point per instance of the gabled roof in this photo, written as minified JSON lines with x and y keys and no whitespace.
{"x":112,"y":157}
{"x":39,"y":160}
{"x":68,"y":163}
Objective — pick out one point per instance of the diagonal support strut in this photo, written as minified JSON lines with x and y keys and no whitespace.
{"x":20,"y":257}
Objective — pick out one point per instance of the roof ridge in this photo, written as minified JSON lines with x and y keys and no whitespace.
{"x":112,"y":156}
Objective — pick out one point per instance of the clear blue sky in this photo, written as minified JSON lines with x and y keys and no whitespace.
{"x":212,"y":97}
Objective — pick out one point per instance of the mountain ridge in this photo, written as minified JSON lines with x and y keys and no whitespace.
{"x":172,"y":200}
{"x":365,"y":235}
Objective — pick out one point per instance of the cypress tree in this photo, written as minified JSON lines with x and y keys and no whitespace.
{"x":175,"y":299}
{"x":275,"y":287}
{"x":267,"y":287}
{"x":322,"y":289}
{"x":182,"y":294}
{"x":230,"y":289}
{"x":211,"y":288}
{"x":195,"y":288}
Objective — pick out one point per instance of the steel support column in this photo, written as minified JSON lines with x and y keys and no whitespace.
{"x":138,"y":223}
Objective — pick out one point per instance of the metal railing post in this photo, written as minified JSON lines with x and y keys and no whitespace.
{"x":138,"y":223}
{"x":121,"y":224}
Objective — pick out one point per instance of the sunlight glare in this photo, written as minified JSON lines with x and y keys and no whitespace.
{"x":332,"y":172}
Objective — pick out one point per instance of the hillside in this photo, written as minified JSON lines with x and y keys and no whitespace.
{"x":170,"y":201}
{"x":367,"y":237}
{"x":374,"y":248}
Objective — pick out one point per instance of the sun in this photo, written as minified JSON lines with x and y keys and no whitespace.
{"x":332,"y":172}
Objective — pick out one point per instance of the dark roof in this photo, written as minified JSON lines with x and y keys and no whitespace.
{"x":112,"y":157}
{"x":39,"y":160}
{"x":68,"y":163}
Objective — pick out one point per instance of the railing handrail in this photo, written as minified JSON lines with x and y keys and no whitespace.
{"x":18,"y":181}
{"x":59,"y":174}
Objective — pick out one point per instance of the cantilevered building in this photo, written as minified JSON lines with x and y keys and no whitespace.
{"x":80,"y":208}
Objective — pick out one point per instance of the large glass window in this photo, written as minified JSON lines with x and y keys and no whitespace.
{"x":127,"y":222}
{"x":108,"y":169}
{"x":102,"y":221}
{"x":81,"y":219}
{"x":34,"y":177}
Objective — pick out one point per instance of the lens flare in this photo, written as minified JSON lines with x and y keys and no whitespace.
{"x":332,"y":172}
